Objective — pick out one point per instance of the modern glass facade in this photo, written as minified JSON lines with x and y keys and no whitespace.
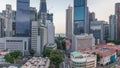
{"x":50,"y":17}
{"x":42,"y":14}
{"x":23,"y":18}
{"x":79,"y":16}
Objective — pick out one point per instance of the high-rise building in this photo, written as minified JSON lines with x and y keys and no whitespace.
{"x":106,"y":31}
{"x":112,"y":27}
{"x":43,"y":11}
{"x":96,"y":28}
{"x":51,"y":32}
{"x":92,"y":16}
{"x":33,"y":14}
{"x":2,"y":26}
{"x":69,"y":23}
{"x":50,"y":16}
{"x":23,"y":18}
{"x":117,"y":13}
{"x":8,"y":23}
{"x":81,"y":15}
{"x":36,"y":38}
{"x":13,"y":22}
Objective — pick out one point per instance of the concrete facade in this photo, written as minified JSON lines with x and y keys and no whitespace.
{"x":69,"y":22}
{"x":82,"y":60}
{"x":15,"y":43}
{"x":82,"y":42}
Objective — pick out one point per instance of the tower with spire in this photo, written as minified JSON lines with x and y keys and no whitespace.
{"x":42,"y":14}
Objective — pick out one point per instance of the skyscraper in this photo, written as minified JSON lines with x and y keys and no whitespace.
{"x":35,"y":37}
{"x":96,"y":28}
{"x":8,"y":23}
{"x":69,"y":23}
{"x":117,"y":13}
{"x":23,"y":18}
{"x":33,"y":14}
{"x":2,"y":21}
{"x":51,"y":32}
{"x":106,"y":31}
{"x":112,"y":27}
{"x":43,"y":11}
{"x":81,"y":23}
{"x":50,"y":16}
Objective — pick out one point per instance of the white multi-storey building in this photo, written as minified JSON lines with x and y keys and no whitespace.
{"x":8,"y":23}
{"x":80,"y":60}
{"x":15,"y":43}
{"x":35,"y":38}
{"x":83,"y":42}
{"x":51,"y":32}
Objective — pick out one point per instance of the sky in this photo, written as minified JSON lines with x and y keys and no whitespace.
{"x":102,"y":8}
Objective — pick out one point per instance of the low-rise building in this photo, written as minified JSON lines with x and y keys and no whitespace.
{"x":15,"y":43}
{"x":107,"y":52}
{"x":37,"y":62}
{"x":107,"y":55}
{"x":80,"y":60}
{"x":82,"y":42}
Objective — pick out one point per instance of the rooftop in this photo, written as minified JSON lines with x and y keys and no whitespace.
{"x":76,"y":54}
{"x":37,"y":62}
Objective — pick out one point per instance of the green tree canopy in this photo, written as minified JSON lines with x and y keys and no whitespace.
{"x":56,"y":57}
{"x":47,"y":52}
{"x":32,"y":52}
{"x":13,"y":56}
{"x":8,"y":58}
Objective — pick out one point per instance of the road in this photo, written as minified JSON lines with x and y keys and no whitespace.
{"x":66,"y":62}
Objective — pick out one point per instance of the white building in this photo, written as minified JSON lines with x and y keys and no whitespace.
{"x":83,"y":42}
{"x":51,"y":32}
{"x":8,"y":23}
{"x":39,"y":37}
{"x":37,"y":62}
{"x":80,"y":60}
{"x":15,"y":43}
{"x":107,"y":55}
{"x":36,"y":38}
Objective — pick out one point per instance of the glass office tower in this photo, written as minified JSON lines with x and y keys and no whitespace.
{"x":80,"y":17}
{"x":42,"y":14}
{"x":23,"y":18}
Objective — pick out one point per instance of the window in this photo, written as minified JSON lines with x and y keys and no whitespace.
{"x":25,"y":45}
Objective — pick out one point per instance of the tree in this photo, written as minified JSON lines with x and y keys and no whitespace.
{"x":13,"y":56}
{"x":56,"y":60}
{"x":56,"y":57}
{"x":98,"y":57}
{"x":47,"y":52}
{"x":8,"y":58}
{"x":32,"y":52}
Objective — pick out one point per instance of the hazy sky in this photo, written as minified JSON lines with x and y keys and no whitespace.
{"x":102,"y":8}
